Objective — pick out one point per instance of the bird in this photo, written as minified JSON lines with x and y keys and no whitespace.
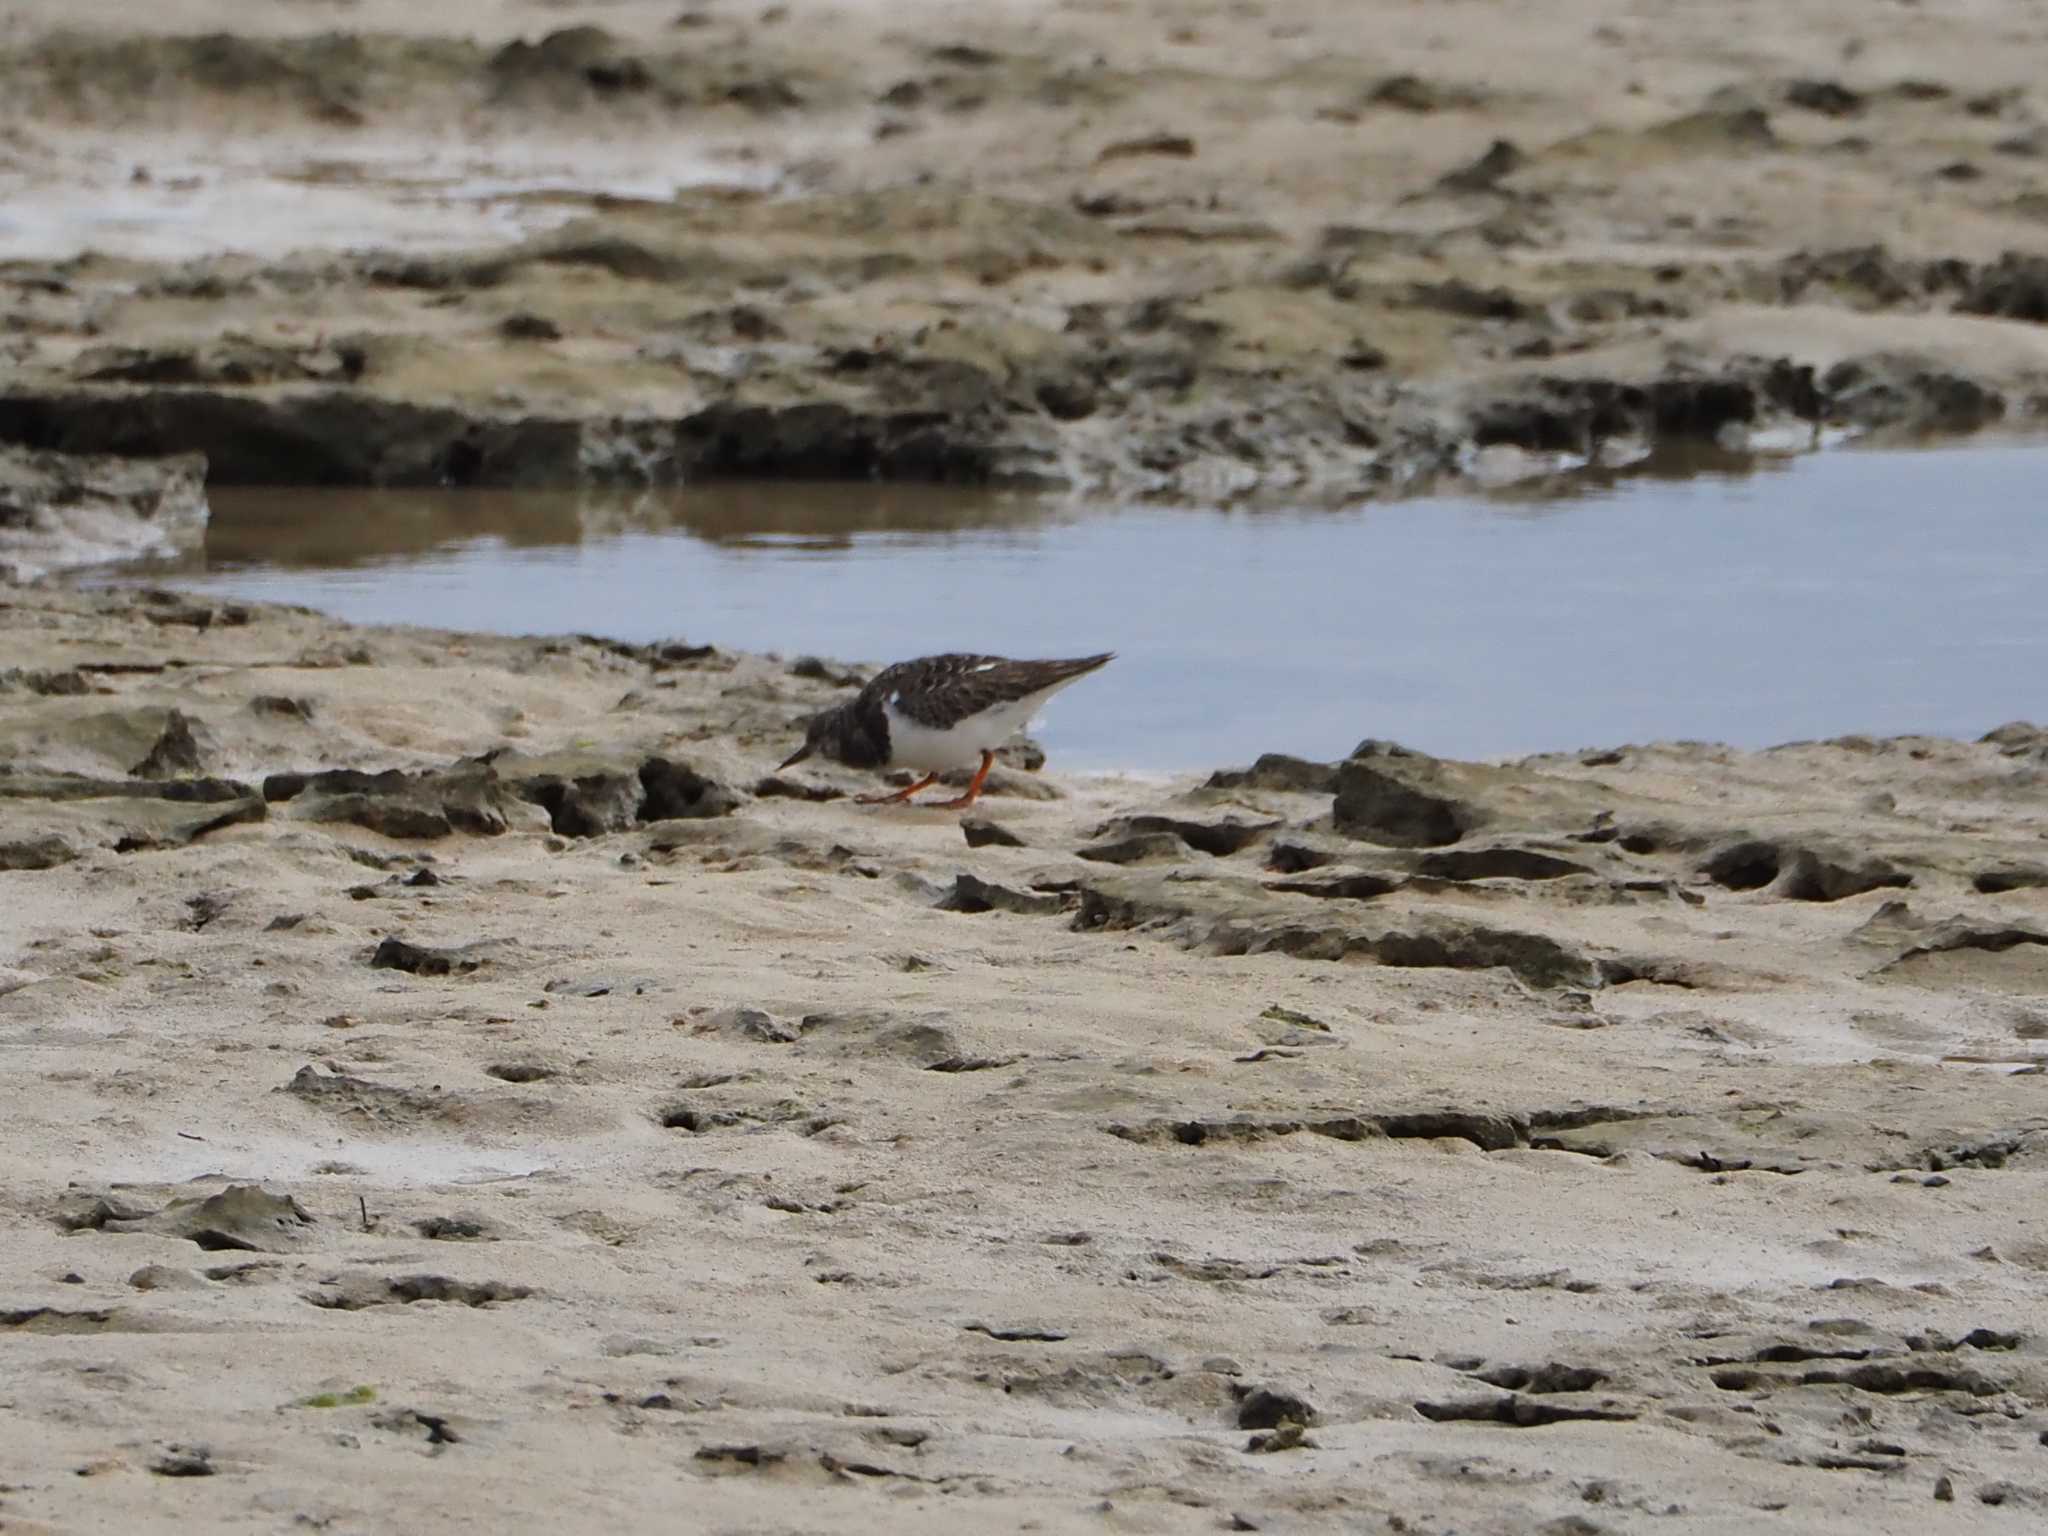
{"x":937,"y":713}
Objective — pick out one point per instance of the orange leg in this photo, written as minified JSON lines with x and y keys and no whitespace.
{"x":901,"y":794}
{"x":988,"y":761}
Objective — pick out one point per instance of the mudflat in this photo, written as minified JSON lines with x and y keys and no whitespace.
{"x":1316,"y":250}
{"x":453,"y":1082}
{"x":452,"y":1079}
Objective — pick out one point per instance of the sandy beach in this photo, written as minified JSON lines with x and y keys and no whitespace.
{"x":454,"y":1083}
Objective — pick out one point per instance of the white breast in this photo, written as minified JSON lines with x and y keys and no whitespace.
{"x":919,"y":746}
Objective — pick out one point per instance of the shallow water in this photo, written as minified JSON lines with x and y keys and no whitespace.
{"x":1880,"y":592}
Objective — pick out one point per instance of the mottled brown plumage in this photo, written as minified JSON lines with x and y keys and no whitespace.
{"x":939,"y":712}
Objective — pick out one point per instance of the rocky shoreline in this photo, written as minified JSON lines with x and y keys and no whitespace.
{"x":452,"y":1079}
{"x":1005,"y":270}
{"x":522,"y":1077}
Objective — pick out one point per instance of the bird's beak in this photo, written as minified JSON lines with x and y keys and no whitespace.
{"x":794,"y":758}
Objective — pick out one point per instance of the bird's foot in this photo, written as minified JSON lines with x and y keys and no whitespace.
{"x":900,"y":795}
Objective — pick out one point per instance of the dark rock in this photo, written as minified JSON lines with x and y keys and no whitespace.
{"x":72,"y":787}
{"x":282,"y":706}
{"x":1067,"y":397}
{"x":1870,"y":274}
{"x":1267,"y":1408}
{"x":817,"y":669}
{"x":1172,"y":145}
{"x":1800,"y":873}
{"x":2018,"y":738}
{"x":929,"y":428}
{"x":1551,"y":1377}
{"x":582,"y":798}
{"x":529,"y":327}
{"x":456,"y":1229}
{"x":568,"y":64}
{"x":1486,"y":1130}
{"x":2015,"y":287}
{"x":1455,"y":296}
{"x":980,"y":832}
{"x":1354,"y":885}
{"x":1278,"y":771}
{"x":1412,"y":93}
{"x":1830,"y":98}
{"x":1288,"y":1437}
{"x":66,"y":684}
{"x":1225,"y":917}
{"x":967,"y":56}
{"x":1521,"y":1412}
{"x":1906,"y":393}
{"x":1576,"y":415}
{"x":677,"y":792}
{"x":465,"y":797}
{"x":1501,"y":159}
{"x":775,"y":787}
{"x":411,"y":1421}
{"x":1536,"y":958}
{"x":1291,"y":858}
{"x":1218,"y":839}
{"x":352,"y":1293}
{"x":235,"y":360}
{"x":184,"y":1461}
{"x":311,"y":437}
{"x":1389,"y":795}
{"x":828,"y":440}
{"x":744,"y":1455}
{"x":166,"y":826}
{"x":396,"y":954}
{"x":1963,"y":933}
{"x":520,"y":1071}
{"x":1505,"y":863}
{"x":175,"y":752}
{"x":970,"y":893}
{"x":44,"y":852}
{"x":1989,"y":882}
{"x":1134,"y":849}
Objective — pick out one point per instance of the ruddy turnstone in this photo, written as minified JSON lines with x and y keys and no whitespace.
{"x":938,"y":713}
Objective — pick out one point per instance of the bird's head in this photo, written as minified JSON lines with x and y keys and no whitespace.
{"x":826,"y":733}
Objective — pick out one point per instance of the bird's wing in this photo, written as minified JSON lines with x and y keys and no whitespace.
{"x":941,"y":691}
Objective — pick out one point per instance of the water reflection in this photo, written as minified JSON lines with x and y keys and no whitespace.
{"x":1850,"y":591}
{"x":338,"y":528}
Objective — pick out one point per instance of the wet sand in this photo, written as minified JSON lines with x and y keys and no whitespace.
{"x":452,"y":1083}
{"x":609,"y":1131}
